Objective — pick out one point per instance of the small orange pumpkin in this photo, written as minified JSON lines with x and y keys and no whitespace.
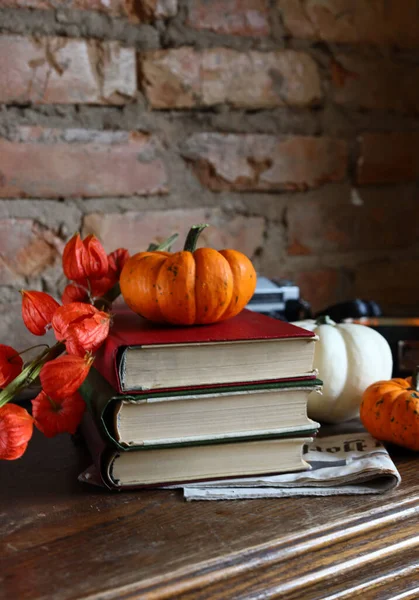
{"x":390,"y":411}
{"x":189,"y":287}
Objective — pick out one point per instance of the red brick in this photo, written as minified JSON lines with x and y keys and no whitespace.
{"x":147,"y":10}
{"x":380,"y":22}
{"x":388,"y":158}
{"x":135,"y":230}
{"x":235,"y":17}
{"x":165,"y":8}
{"x":185,"y":78}
{"x":377,"y":83}
{"x":118,"y":73}
{"x":392,"y":284}
{"x":265,"y":162}
{"x":65,"y":71}
{"x":319,"y":287}
{"x":79,"y":162}
{"x":138,"y":11}
{"x":322,"y":229}
{"x":114,"y":7}
{"x":25,"y":250}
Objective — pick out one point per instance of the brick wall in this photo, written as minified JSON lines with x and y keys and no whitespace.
{"x":290,"y":125}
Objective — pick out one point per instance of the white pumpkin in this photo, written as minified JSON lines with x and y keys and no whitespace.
{"x":348,"y":357}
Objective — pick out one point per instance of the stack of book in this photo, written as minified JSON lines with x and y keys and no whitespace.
{"x":179,"y":404}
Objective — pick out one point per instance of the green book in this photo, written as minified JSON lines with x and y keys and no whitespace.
{"x":199,"y":416}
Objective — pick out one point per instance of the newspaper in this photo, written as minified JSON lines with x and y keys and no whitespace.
{"x":344,"y":463}
{"x":341,"y":464}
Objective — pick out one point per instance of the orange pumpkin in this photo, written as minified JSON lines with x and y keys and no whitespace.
{"x":189,"y":287}
{"x":390,"y":411}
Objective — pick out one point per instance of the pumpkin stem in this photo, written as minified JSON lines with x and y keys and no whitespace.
{"x":415,"y":379}
{"x":164,"y":245}
{"x":325,"y":320}
{"x":192,"y":237}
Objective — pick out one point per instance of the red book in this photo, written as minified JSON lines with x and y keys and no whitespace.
{"x":142,"y":357}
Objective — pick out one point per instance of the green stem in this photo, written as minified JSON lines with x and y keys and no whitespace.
{"x":53,"y":404}
{"x":27,"y":350}
{"x":164,"y":245}
{"x":89,"y":290}
{"x":30,"y":373}
{"x":325,"y":320}
{"x":105,"y":301}
{"x":193,"y":235}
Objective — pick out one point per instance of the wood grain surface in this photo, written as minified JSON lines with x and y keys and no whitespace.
{"x":66,"y":540}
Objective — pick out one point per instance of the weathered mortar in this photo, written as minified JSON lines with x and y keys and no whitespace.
{"x":271,"y":223}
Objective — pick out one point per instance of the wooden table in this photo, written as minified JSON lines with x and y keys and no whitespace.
{"x":62,"y":539}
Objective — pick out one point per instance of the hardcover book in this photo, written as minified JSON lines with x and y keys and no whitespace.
{"x":139,"y":356}
{"x":202,"y":415}
{"x":164,"y":466}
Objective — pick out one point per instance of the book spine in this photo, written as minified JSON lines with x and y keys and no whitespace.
{"x":106,"y":361}
{"x":97,"y":448}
